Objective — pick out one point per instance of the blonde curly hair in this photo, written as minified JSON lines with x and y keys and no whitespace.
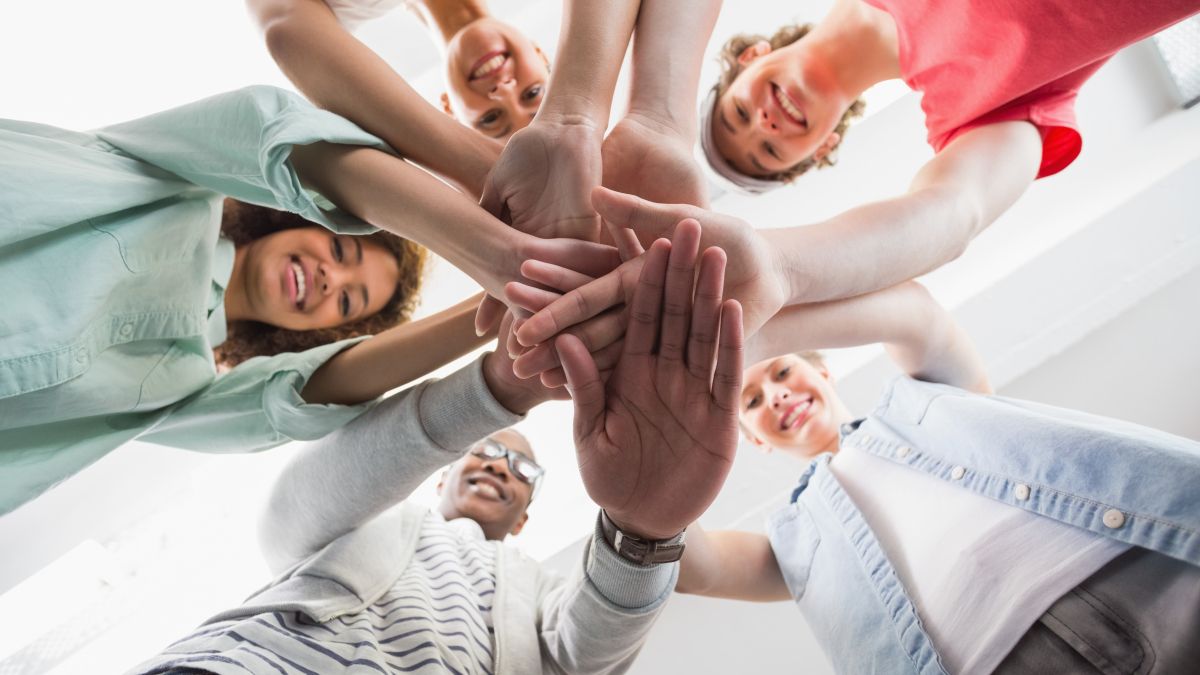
{"x":731,"y":68}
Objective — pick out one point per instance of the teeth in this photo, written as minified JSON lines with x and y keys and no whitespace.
{"x":795,"y":413}
{"x":788,"y":107}
{"x":301,"y":286}
{"x":489,"y":66}
{"x":485,"y":490}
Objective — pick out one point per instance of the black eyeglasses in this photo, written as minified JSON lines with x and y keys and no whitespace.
{"x":526,"y":470}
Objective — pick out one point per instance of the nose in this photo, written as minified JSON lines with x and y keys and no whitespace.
{"x":497,"y":466}
{"x":331,"y":277}
{"x":766,"y":122}
{"x":504,"y":88}
{"x":779,"y":398}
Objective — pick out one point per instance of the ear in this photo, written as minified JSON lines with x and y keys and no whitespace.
{"x":441,"y":482}
{"x":827,"y":146}
{"x":516,"y":529}
{"x":545,"y":59}
{"x":760,"y":48}
{"x":446,"y":105}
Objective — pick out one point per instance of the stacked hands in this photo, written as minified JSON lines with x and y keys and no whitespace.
{"x":643,"y":340}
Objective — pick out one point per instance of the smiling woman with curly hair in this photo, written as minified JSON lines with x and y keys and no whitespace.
{"x":207,"y":278}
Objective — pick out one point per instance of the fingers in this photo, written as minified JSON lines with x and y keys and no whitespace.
{"x":647,"y":219}
{"x":586,"y":257}
{"x":706,"y":314}
{"x":575,"y":307}
{"x":596,"y":334}
{"x":677,"y":295}
{"x":554,"y":276}
{"x":727,"y":379}
{"x":490,"y":311}
{"x":626,"y":240}
{"x":606,"y":360}
{"x":527,"y":297}
{"x":583,"y":382}
{"x":644,"y":309}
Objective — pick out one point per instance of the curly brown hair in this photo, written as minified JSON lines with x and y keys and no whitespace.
{"x":242,"y":223}
{"x":731,"y":68}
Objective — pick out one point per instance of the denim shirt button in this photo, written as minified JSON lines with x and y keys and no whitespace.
{"x":903,"y":451}
{"x":126,"y":330}
{"x":1021,"y":491}
{"x":958,"y":472}
{"x":1113,"y":519}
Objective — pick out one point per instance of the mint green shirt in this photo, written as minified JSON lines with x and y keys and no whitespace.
{"x":113,"y":278}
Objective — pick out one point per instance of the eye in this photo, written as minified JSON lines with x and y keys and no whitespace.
{"x":337,"y":250}
{"x":533,"y":93}
{"x":783,"y":373}
{"x":489,"y":118}
{"x":742,"y":113}
{"x":754,"y":402}
{"x":344,"y":304}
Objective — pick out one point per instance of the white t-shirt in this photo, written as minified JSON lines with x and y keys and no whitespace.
{"x":978,"y":571}
{"x":351,"y":13}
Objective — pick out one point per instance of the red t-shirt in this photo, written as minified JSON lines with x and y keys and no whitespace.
{"x":979,"y":62}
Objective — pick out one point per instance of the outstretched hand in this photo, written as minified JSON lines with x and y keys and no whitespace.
{"x":644,"y":159}
{"x":656,"y":441}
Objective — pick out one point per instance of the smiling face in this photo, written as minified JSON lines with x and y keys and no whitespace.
{"x":790,"y":404}
{"x":308,"y":278}
{"x":495,"y":78}
{"x":486,"y":491}
{"x":780,"y":110}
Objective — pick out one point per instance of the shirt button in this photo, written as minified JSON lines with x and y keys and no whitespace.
{"x":1113,"y":519}
{"x":81,"y":356}
{"x":127,"y":330}
{"x":1022,"y":491}
{"x":958,"y":472}
{"x":903,"y":451}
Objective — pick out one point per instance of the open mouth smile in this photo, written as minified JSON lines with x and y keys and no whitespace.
{"x":790,"y":108}
{"x":297,"y":281}
{"x":487,"y":487}
{"x":796,"y":415}
{"x":488,"y":65}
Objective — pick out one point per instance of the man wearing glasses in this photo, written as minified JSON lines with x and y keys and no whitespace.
{"x":367,"y":582}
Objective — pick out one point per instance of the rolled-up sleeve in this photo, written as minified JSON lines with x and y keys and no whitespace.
{"x":239,"y":143}
{"x":256,"y":406}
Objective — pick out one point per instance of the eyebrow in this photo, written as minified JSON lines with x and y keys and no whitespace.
{"x":758,"y":165}
{"x":502,"y":134}
{"x":366,"y":299}
{"x":358,"y":245}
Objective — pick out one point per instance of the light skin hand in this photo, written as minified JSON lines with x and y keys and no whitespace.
{"x":652,"y":162}
{"x":751,"y":276}
{"x":656,"y":441}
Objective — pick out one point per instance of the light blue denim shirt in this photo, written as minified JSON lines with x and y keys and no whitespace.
{"x":114,"y":274}
{"x":1113,"y":478}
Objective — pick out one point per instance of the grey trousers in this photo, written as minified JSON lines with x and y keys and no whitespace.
{"x":1138,"y":614}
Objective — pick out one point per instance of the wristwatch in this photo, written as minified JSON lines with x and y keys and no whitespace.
{"x":637,"y":550}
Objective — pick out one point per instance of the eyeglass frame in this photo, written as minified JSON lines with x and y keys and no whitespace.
{"x":511,"y":457}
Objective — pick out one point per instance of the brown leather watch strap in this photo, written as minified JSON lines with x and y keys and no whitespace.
{"x":640,"y":551}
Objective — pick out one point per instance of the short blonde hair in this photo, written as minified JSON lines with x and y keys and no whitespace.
{"x":731,"y":68}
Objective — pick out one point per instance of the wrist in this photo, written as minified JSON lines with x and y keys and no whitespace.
{"x":517,"y":396}
{"x":793,"y":286}
{"x":574,"y":110}
{"x":660,"y":118}
{"x":628,"y":524}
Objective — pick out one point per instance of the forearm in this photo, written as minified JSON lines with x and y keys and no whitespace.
{"x":396,"y":357}
{"x":668,"y":51}
{"x":918,"y":333}
{"x":391,"y":194}
{"x":873,"y":246}
{"x":730,"y":564}
{"x":341,"y":74}
{"x":351,"y":475}
{"x":591,"y":46}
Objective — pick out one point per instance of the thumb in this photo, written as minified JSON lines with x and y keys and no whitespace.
{"x":584,"y":384}
{"x":648,"y":220}
{"x":489,"y":312}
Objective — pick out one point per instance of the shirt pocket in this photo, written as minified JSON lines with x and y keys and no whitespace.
{"x":161,"y":234}
{"x":794,"y":540}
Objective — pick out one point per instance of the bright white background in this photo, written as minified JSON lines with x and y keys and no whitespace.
{"x":1083,"y":295}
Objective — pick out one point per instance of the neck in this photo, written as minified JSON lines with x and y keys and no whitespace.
{"x":448,"y":17}
{"x":491,"y":531}
{"x":840,"y":416}
{"x":237,"y":305}
{"x":858,"y":44}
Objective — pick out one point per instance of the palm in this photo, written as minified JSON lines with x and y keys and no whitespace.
{"x":543,"y":180}
{"x":656,"y":440}
{"x":652,"y":164}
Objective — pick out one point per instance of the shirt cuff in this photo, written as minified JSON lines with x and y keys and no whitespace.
{"x":623,"y":583}
{"x":460,"y":409}
{"x":286,"y":376}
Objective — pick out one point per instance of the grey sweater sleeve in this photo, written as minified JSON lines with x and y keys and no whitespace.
{"x":341,"y":481}
{"x":597,"y":622}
